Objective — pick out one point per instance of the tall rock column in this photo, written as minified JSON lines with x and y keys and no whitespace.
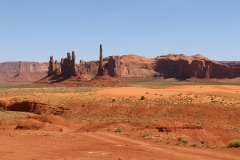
{"x":111,"y":66}
{"x":73,"y":70}
{"x":57,"y":69}
{"x":62,"y":66}
{"x":100,"y":68}
{"x":69,"y":62}
{"x":51,"y":67}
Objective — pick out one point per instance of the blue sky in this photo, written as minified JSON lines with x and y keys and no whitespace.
{"x":32,"y":30}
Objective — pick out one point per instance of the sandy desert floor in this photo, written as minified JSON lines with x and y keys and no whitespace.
{"x":176,"y":122}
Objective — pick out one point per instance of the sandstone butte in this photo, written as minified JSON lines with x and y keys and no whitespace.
{"x":106,"y":71}
{"x":127,"y":66}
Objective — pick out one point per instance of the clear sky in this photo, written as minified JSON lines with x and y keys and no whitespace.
{"x":32,"y":30}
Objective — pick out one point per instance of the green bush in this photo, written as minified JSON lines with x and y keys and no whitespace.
{"x":234,"y":143}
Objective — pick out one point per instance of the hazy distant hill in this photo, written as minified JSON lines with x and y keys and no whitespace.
{"x":229,"y":63}
{"x":22,"y":71}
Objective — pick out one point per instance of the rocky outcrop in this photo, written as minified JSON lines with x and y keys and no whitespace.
{"x":22,"y":71}
{"x":114,"y":66}
{"x":73,"y":70}
{"x":57,"y":68}
{"x":100,"y":67}
{"x":51,"y":67}
{"x":131,"y":66}
{"x":128,"y":66}
{"x":67,"y":66}
{"x":181,"y":66}
{"x":23,"y":67}
{"x":88,"y":67}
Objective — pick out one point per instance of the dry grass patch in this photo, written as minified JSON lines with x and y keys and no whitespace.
{"x":234,"y":143}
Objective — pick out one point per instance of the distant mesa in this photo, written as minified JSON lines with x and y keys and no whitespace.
{"x":68,"y":72}
{"x":22,"y":71}
{"x":128,"y":66}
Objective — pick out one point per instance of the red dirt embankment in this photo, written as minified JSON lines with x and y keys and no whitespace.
{"x":116,"y":130}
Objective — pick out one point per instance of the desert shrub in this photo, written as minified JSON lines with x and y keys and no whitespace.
{"x":2,"y":109}
{"x":127,"y":134}
{"x":113,"y":100}
{"x":234,"y":143}
{"x":180,"y":94}
{"x":146,"y":136}
{"x":142,"y":97}
{"x":179,"y":138}
{"x":194,"y":145}
{"x":182,"y":140}
{"x":118,"y":130}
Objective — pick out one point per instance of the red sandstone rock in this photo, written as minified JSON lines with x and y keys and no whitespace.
{"x":73,"y":63}
{"x":23,"y":67}
{"x":100,"y":68}
{"x":51,"y":67}
{"x":68,"y":66}
{"x":57,"y":68}
{"x":114,"y":66}
{"x":62,"y":66}
{"x":22,"y":71}
{"x":181,"y":66}
{"x":169,"y":66}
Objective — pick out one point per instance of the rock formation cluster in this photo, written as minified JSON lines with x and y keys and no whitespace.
{"x":67,"y":66}
{"x":168,"y":66}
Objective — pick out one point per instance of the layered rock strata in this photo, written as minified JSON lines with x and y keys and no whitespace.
{"x":168,"y":66}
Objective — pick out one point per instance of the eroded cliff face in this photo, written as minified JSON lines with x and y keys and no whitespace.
{"x":131,"y":66}
{"x":22,"y":71}
{"x":127,"y":66}
{"x":23,"y":67}
{"x":168,"y":66}
{"x":181,"y":66}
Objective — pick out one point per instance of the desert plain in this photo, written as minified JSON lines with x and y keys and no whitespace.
{"x":152,"y":119}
